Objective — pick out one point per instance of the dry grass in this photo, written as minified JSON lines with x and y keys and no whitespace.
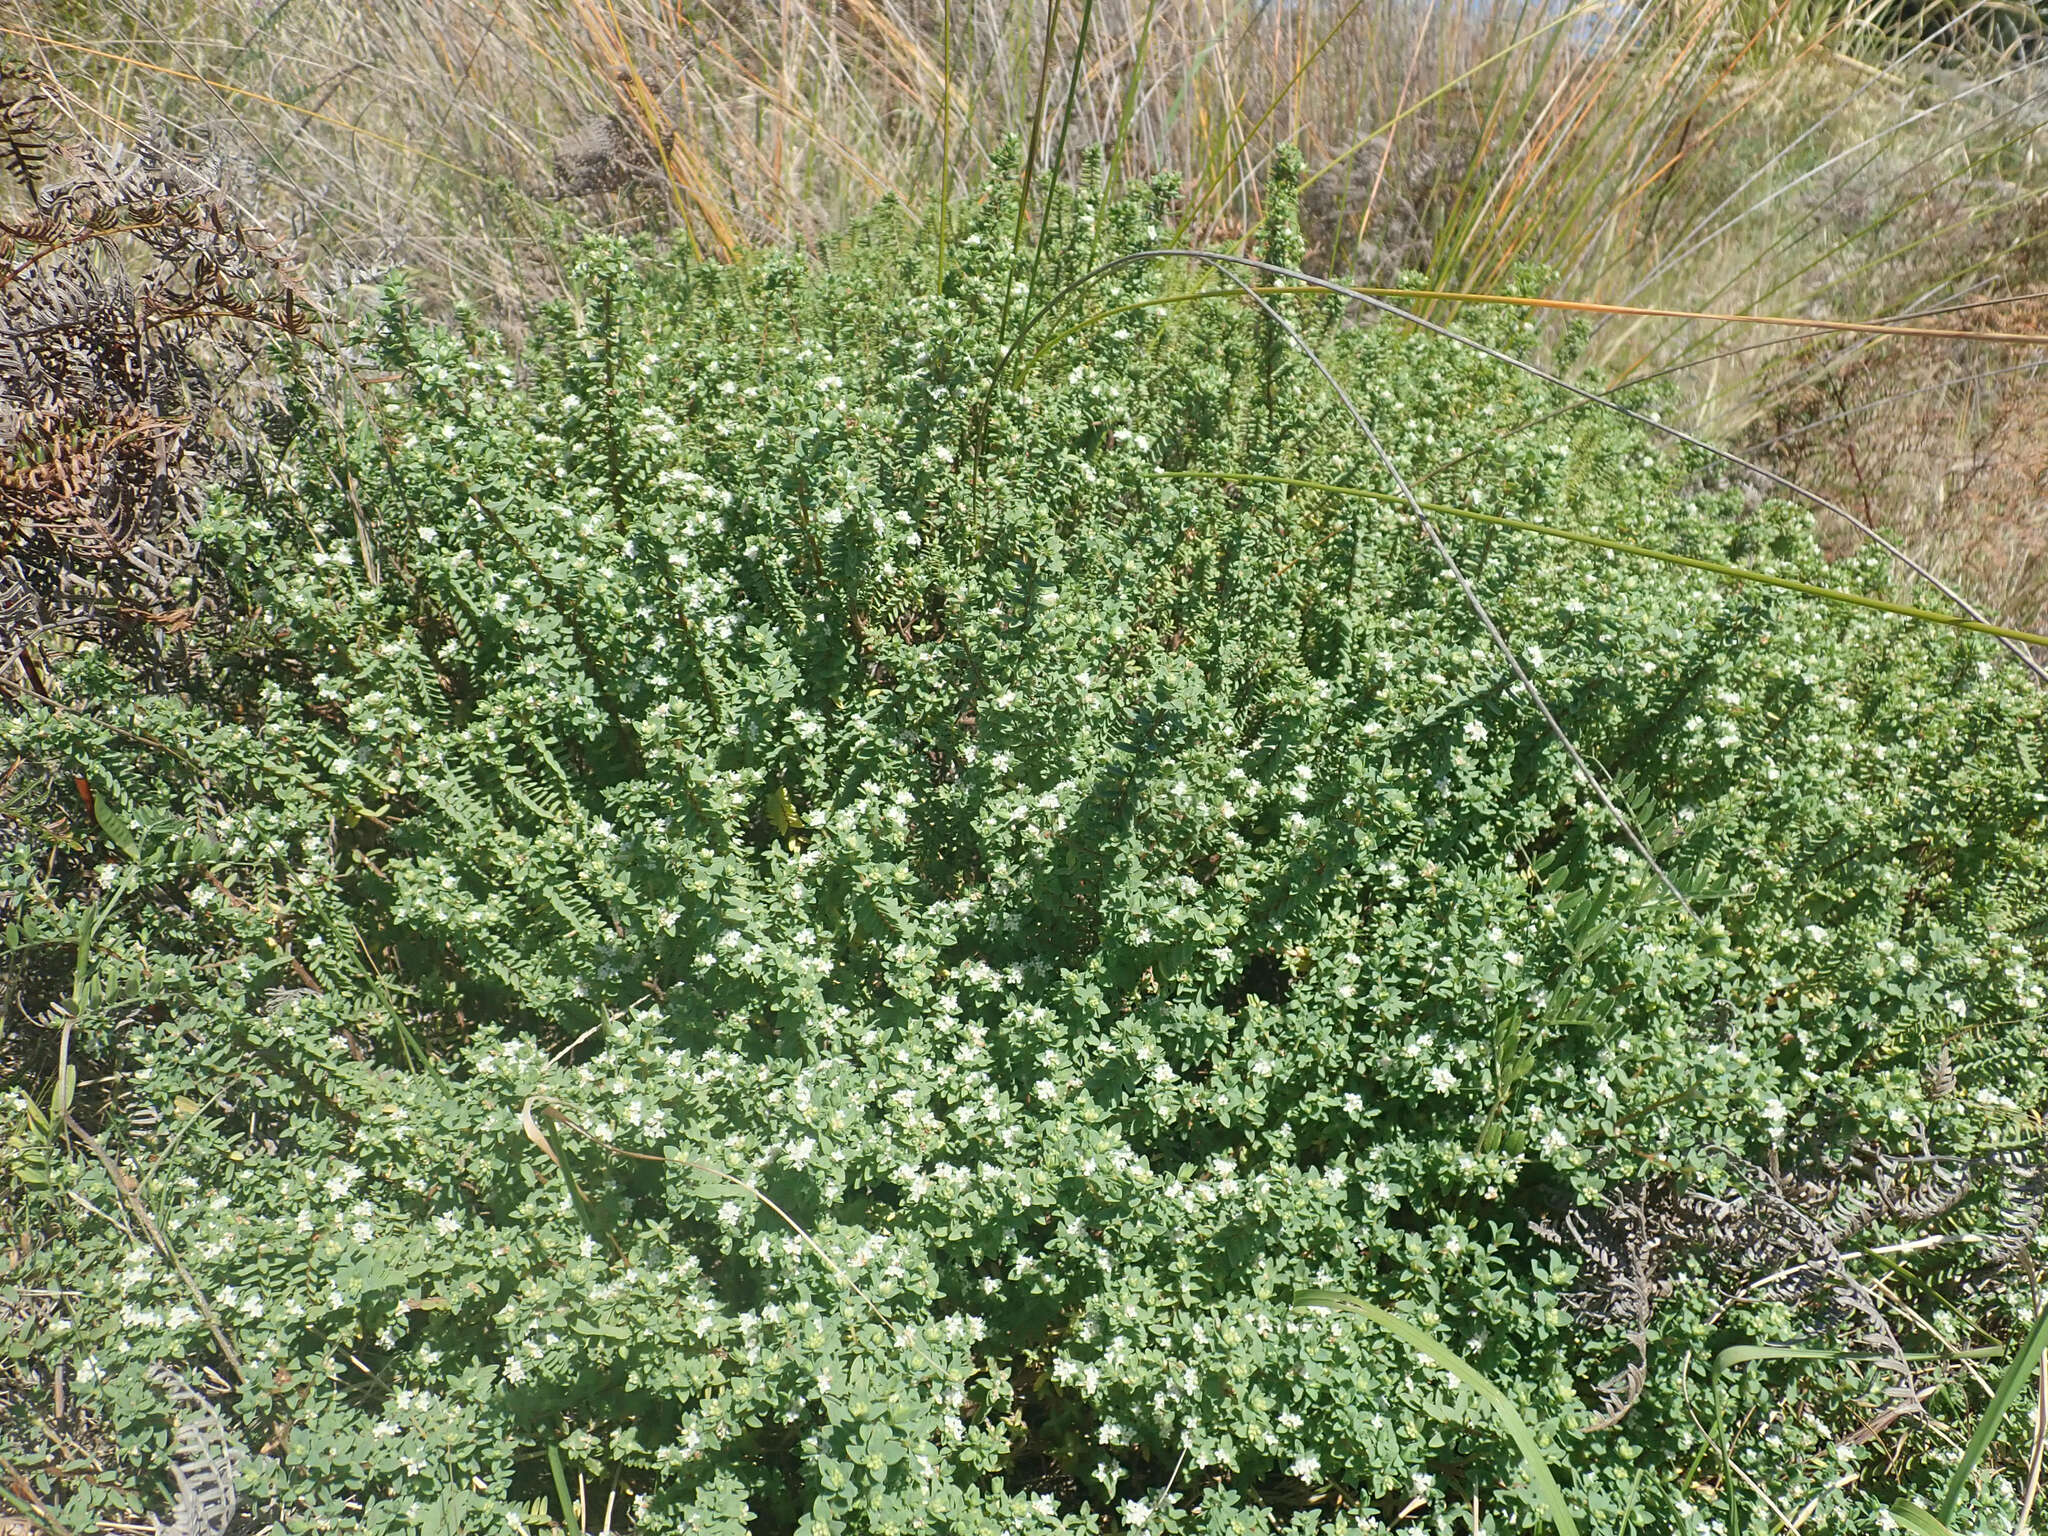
{"x":1765,"y":155}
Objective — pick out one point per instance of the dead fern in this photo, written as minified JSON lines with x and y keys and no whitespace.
{"x":24,"y":146}
{"x":1788,"y":1237}
{"x":135,"y":304}
{"x":202,"y":1463}
{"x":601,"y":154}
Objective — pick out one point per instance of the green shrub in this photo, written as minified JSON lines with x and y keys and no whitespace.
{"x":763,"y":921}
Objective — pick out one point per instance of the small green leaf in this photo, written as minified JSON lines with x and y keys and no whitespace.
{"x":110,"y":820}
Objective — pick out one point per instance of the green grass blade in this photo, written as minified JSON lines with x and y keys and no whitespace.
{"x":1428,"y":1347}
{"x":1743,"y":1354}
{"x":1917,"y":1520}
{"x":2009,"y":1387}
{"x":561,"y":1485}
{"x":1622,"y":546}
{"x":1056,"y":167}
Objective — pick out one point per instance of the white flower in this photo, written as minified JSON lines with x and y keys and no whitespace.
{"x":1442,"y":1079}
{"x":1474,"y":731}
{"x":1136,"y":1513}
{"x":515,"y":1370}
{"x":1307,"y":1468}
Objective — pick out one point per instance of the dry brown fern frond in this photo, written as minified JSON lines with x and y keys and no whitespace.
{"x":1784,"y":1237}
{"x":603,"y":154}
{"x":1618,"y":1287}
{"x":24,"y":143}
{"x":202,"y":1463}
{"x":135,"y":307}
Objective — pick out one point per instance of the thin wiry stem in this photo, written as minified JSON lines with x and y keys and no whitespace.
{"x":1582,"y":769}
{"x":1635,"y":380}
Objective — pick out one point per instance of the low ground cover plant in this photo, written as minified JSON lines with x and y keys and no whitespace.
{"x":807,"y":907}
